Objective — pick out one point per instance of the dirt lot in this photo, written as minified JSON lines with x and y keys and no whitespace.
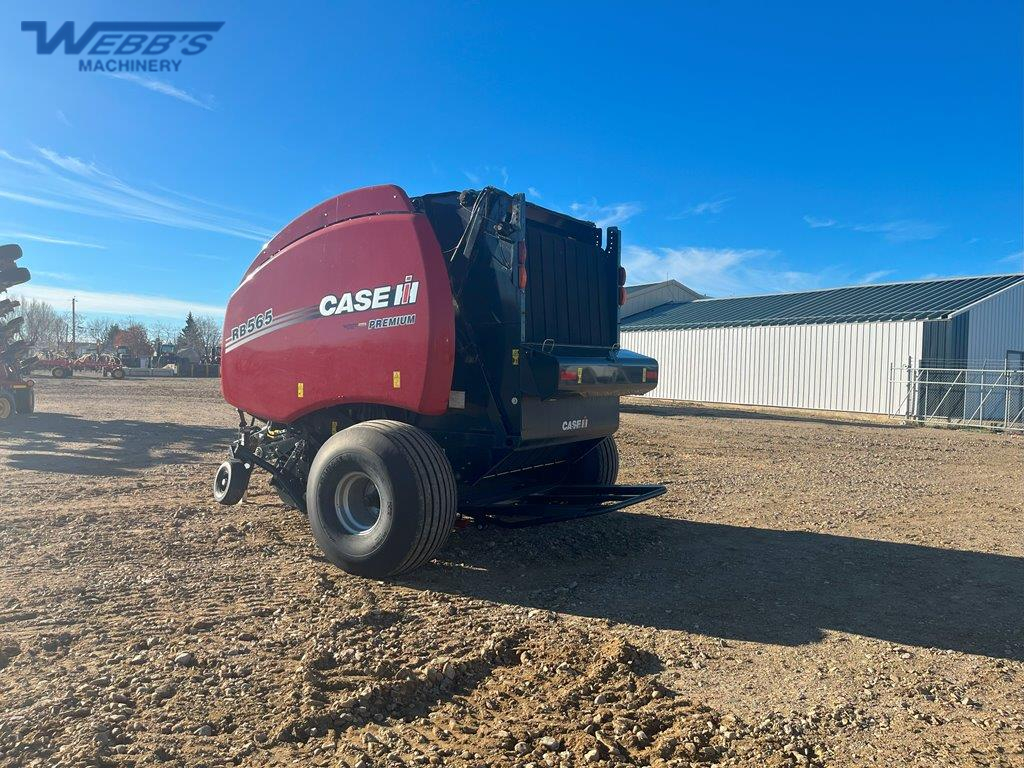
{"x":807,"y":593}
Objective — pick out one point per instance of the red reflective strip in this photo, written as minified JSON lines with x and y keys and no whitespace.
{"x":522,"y":277}
{"x":567,"y":375}
{"x":622,"y":296}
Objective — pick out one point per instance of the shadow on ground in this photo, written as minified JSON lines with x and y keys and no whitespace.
{"x":781,"y":587}
{"x":718,"y":412}
{"x":57,"y":442}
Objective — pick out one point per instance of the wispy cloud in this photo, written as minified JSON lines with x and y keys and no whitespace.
{"x":1016,"y":260}
{"x":63,"y":118}
{"x":895,"y":231}
{"x":706,"y":208}
{"x":62,"y":276}
{"x":165,"y":88}
{"x":62,"y":182}
{"x":490,"y":174}
{"x":8,"y":234}
{"x":730,"y":271}
{"x":534,"y":193}
{"x":119,"y":303}
{"x":874,"y":277}
{"x":605,"y":215}
{"x":209,"y":257}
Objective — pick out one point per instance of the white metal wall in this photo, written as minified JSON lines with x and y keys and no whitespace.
{"x":835,"y":367}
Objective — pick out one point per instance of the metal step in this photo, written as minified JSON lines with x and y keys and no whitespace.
{"x":558,"y":503}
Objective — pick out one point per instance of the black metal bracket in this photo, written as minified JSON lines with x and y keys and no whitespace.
{"x":557,"y":504}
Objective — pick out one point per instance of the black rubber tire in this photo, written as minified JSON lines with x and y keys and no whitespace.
{"x":26,"y":400}
{"x":415,"y":492}
{"x":599,"y":466}
{"x":230,"y":481}
{"x":59,"y":373}
{"x":7,"y":407}
{"x":117,"y":373}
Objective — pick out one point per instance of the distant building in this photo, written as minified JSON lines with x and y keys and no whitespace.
{"x":830,"y":349}
{"x":643,"y":297}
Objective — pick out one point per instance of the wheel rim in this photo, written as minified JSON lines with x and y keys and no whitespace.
{"x":5,"y":408}
{"x":357,"y":503}
{"x":223,"y":479}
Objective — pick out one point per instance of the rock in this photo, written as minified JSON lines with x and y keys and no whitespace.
{"x":550,"y":744}
{"x":522,"y":748}
{"x":204,"y":730}
{"x":185,"y":660}
{"x":592,"y":756}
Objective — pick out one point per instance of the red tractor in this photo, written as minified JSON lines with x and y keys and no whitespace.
{"x":397,"y":362}
{"x":16,"y":391}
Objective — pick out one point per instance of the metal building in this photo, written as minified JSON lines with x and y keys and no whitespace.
{"x":648,"y":295}
{"x":831,"y":349}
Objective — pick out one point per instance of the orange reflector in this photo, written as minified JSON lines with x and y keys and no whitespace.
{"x":522,"y":277}
{"x":622,"y":275}
{"x":622,"y":296}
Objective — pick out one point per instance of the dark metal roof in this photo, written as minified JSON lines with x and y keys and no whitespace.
{"x":925,"y":300}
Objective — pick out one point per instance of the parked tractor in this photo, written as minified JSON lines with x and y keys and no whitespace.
{"x":397,"y":362}
{"x":17,"y":395}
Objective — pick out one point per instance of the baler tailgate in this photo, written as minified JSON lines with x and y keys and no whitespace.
{"x":555,"y":504}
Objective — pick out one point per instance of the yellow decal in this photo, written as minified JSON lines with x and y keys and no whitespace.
{"x":300,"y":389}
{"x":515,"y":357}
{"x":396,"y":380}
{"x":334,"y":427}
{"x":644,"y":379}
{"x":579,"y":375}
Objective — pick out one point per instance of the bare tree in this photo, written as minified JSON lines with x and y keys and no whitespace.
{"x":98,"y":331}
{"x":208,"y":332}
{"x":44,"y":327}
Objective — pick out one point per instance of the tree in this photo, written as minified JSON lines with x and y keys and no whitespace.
{"x":44,"y":327}
{"x":134,"y":336}
{"x":190,"y":335}
{"x":98,"y":331}
{"x":209,"y":333}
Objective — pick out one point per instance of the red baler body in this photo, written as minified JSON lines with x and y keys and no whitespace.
{"x":298,"y":336}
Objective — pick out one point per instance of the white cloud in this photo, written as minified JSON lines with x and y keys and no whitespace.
{"x":605,"y":215}
{"x":707,"y":208}
{"x":63,"y":118}
{"x":489,"y":175}
{"x":895,"y":231}
{"x":534,"y":193}
{"x":119,"y":303}
{"x":1014,"y":259}
{"x":15,"y":235}
{"x":815,"y":223}
{"x":66,"y":183}
{"x":874,"y":277}
{"x":62,"y":276}
{"x":165,"y":88}
{"x":732,"y":271}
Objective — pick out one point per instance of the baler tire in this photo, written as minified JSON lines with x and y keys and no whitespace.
{"x":598,"y":466}
{"x":58,"y":372}
{"x":117,"y":373}
{"x":7,"y":408}
{"x":230,"y":482}
{"x":407,"y":473}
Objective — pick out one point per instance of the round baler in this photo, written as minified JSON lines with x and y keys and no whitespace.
{"x":397,"y":362}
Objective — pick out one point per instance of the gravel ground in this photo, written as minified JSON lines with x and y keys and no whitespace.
{"x":807,"y":593}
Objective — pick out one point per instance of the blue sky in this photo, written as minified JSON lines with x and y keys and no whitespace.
{"x":741,"y":147}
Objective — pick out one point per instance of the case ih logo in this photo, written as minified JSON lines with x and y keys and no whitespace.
{"x":371,"y":298}
{"x":152,"y":45}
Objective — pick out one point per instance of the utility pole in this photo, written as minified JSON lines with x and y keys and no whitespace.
{"x":74,"y":326}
